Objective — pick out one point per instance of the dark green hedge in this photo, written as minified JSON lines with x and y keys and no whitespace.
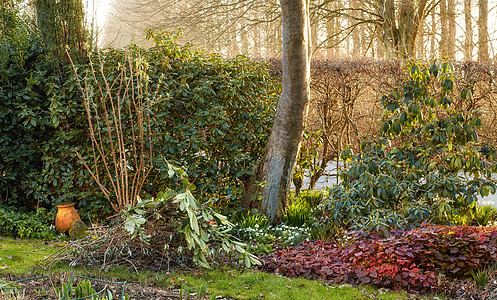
{"x":25,"y":72}
{"x":214,"y":119}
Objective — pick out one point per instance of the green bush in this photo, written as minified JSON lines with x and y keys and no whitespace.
{"x":212,"y":115}
{"x":209,"y":114}
{"x":412,"y":172}
{"x":22,"y":224}
{"x":25,"y":69}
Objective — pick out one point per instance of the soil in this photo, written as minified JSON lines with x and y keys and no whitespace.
{"x":44,"y":288}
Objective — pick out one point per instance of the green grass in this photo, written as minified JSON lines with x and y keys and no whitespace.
{"x":20,"y":256}
{"x":259,"y":285}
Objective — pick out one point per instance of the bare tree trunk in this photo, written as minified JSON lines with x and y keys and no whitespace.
{"x":483,"y":55}
{"x":244,"y":39}
{"x":257,"y":41}
{"x":421,"y":43}
{"x":356,"y":41}
{"x":387,"y":11}
{"x":286,"y":135}
{"x":330,"y":31}
{"x":451,"y":41}
{"x":315,"y":39}
{"x":444,"y":34}
{"x":433,"y":40}
{"x":468,"y":20}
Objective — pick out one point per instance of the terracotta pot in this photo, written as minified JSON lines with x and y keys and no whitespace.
{"x":66,"y":215}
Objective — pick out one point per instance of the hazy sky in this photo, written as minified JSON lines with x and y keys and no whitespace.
{"x":99,"y":9}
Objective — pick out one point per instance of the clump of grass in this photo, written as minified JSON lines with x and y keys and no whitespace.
{"x":298,"y":213}
{"x":253,"y":220}
{"x":481,"y":277}
{"x":313,"y":197}
{"x":485,"y":215}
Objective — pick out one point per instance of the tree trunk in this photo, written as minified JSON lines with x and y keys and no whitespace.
{"x":330,"y":31}
{"x":451,"y":41}
{"x":356,"y":41}
{"x":286,"y":135}
{"x":483,"y":55}
{"x":468,"y":20}
{"x":390,"y":31}
{"x":444,"y":23}
{"x":421,"y":51}
{"x":433,"y":41}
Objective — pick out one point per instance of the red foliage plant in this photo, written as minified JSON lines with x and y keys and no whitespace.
{"x":406,"y":259}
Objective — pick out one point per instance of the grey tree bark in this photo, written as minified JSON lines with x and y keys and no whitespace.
{"x":444,"y":30}
{"x":468,"y":21}
{"x":286,"y":135}
{"x":451,"y":42}
{"x":483,"y":53}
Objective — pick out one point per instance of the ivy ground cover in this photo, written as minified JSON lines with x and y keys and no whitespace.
{"x":412,"y":259}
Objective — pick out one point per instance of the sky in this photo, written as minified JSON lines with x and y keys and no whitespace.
{"x":98,"y":9}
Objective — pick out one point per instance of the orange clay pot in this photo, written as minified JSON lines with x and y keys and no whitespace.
{"x":66,"y":215}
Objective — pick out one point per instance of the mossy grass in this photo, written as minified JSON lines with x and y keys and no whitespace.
{"x":20,"y":256}
{"x":250,"y":284}
{"x":225,"y":282}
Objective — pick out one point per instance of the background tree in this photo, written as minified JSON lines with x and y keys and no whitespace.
{"x":62,"y":24}
{"x":483,"y":55}
{"x":468,"y":22}
{"x":376,"y":28}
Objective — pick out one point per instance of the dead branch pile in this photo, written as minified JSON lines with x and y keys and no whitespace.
{"x":157,"y":246}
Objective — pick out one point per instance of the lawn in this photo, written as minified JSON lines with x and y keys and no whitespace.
{"x":18,"y":257}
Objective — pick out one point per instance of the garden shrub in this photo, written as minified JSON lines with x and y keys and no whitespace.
{"x":345,"y":107}
{"x":210,"y":115}
{"x":25,"y":224}
{"x":213,"y":117}
{"x":41,"y":123}
{"x":25,"y":69}
{"x":426,"y":164}
{"x":411,"y":259}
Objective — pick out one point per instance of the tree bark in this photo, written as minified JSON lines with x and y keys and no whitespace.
{"x":468,"y":20}
{"x":483,"y":55}
{"x":433,"y":41}
{"x":451,"y":41}
{"x":286,"y":135}
{"x":390,"y":31}
{"x":356,"y":40}
{"x":444,"y":30}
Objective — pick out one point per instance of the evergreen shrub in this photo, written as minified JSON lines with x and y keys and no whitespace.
{"x":426,"y":164}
